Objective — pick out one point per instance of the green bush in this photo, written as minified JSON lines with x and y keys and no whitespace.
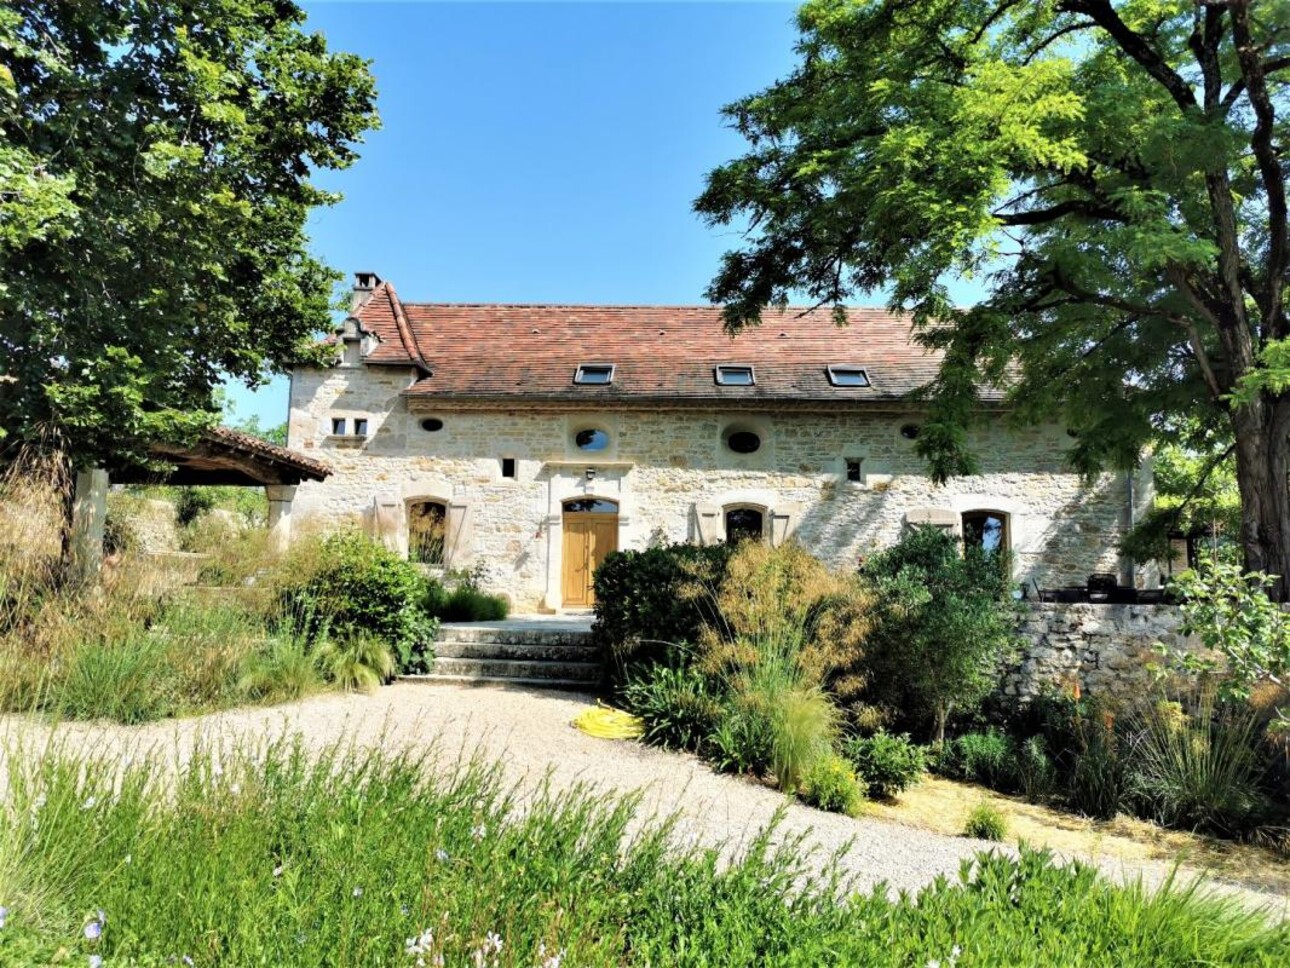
{"x":649,"y":602}
{"x":191,"y":503}
{"x":347,"y":586}
{"x":468,"y":604}
{"x":987,"y":758}
{"x":944,"y":625}
{"x":887,"y":764}
{"x":679,"y":706}
{"x":985,"y":822}
{"x":360,"y":662}
{"x":1196,"y":772}
{"x":1036,"y":775}
{"x":129,"y":681}
{"x":743,"y":740}
{"x":282,"y":671}
{"x":830,"y":784}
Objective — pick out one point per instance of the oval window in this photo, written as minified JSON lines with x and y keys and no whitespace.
{"x":909,"y":431}
{"x":744,"y":442}
{"x":593,"y":438}
{"x":432,"y":424}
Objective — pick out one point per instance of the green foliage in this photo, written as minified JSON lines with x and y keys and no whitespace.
{"x":466,"y":603}
{"x":347,"y":586}
{"x":985,"y":822}
{"x":1036,"y":775}
{"x":127,"y":681}
{"x":191,"y":503}
{"x":1197,"y":772}
{"x":1232,"y":615}
{"x":679,"y":706}
{"x":337,"y":856}
{"x":360,"y":662}
{"x":1108,"y":171}
{"x":945,"y":624}
{"x":282,"y":672}
{"x":987,"y":758}
{"x":642,"y":615}
{"x":805,"y":730}
{"x":158,"y":225}
{"x":831,"y":784}
{"x":887,"y":764}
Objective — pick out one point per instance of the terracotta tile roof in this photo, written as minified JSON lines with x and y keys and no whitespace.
{"x":661,"y":353}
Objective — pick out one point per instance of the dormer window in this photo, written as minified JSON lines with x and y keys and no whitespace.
{"x":594,"y":373}
{"x":848,"y":376}
{"x":733,"y":375}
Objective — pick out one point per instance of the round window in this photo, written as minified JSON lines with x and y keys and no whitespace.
{"x":432,"y":424}
{"x":593,"y":438}
{"x":909,"y":431}
{"x":743,"y":442}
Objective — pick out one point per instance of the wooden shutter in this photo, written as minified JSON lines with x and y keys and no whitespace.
{"x":709,"y":529}
{"x":457,"y":535}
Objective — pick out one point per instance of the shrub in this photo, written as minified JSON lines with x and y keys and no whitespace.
{"x":887,"y":764}
{"x":804,"y":727}
{"x":645,"y":605}
{"x":830,"y":784}
{"x":944,"y":625}
{"x":360,"y":662}
{"x":985,"y":822}
{"x":191,"y":503}
{"x":1196,"y":772}
{"x":128,"y":681}
{"x":1036,"y":775}
{"x":679,"y":706}
{"x":743,"y":739}
{"x":282,"y":671}
{"x":987,"y":758}
{"x":1098,"y":784}
{"x":348,"y":585}
{"x":468,"y":604}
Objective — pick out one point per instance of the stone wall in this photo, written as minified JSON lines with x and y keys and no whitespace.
{"x":1108,"y":649}
{"x":668,"y":468}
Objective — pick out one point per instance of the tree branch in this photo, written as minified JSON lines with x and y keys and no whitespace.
{"x":1265,"y":154}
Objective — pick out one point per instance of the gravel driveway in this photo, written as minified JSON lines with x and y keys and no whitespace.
{"x":529,"y":731}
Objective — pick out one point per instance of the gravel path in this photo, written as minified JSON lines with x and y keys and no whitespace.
{"x":529,"y":731}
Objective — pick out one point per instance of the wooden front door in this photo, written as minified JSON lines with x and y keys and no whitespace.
{"x":588,"y":538}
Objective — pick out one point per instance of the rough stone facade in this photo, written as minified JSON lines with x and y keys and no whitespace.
{"x":1109,"y":650}
{"x":672,"y":475}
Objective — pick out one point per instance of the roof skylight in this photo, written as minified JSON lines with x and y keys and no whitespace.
{"x":848,"y":376}
{"x":594,"y":373}
{"x":734,"y":375}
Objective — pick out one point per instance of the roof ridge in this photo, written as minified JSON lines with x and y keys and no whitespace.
{"x":704,"y":306}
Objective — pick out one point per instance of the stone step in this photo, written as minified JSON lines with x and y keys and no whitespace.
{"x":435,"y":678}
{"x":473,"y":633}
{"x":587,"y":673}
{"x":454,"y":648}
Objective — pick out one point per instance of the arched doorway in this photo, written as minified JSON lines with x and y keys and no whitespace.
{"x":590,"y":534}
{"x":986,"y":530}
{"x":745,"y":522}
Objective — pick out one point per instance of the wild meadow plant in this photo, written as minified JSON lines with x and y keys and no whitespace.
{"x":361,"y":857}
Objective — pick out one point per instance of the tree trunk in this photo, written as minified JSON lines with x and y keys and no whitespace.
{"x":1262,"y":431}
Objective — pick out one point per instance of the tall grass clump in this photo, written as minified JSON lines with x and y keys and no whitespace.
{"x":361,"y":857}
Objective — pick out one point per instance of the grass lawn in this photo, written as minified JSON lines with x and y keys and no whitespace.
{"x":274,"y":857}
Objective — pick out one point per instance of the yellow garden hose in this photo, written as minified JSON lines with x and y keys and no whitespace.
{"x":606,"y":722}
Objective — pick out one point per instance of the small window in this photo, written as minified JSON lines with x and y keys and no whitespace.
{"x":432,"y":425}
{"x":735,"y":376}
{"x":848,"y":376}
{"x":743,"y":442}
{"x":594,"y":373}
{"x":360,"y":427}
{"x":853,"y":470}
{"x":338,"y":426}
{"x":508,"y":467}
{"x":986,"y":530}
{"x":745,"y":524}
{"x":591,"y":439}
{"x":910,"y":431}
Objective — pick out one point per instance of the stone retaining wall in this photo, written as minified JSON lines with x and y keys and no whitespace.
{"x":1108,"y":649}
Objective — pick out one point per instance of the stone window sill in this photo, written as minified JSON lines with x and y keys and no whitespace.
{"x":345,"y":440}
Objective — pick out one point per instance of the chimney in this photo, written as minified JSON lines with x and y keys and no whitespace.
{"x":365,"y":284}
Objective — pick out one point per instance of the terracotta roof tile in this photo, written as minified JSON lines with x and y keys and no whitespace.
{"x":489,"y":352}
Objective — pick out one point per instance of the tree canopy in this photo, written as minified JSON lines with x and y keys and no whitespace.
{"x":1112,"y":171}
{"x":156,"y":172}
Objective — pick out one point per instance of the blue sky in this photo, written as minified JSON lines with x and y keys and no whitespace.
{"x":535,"y":152}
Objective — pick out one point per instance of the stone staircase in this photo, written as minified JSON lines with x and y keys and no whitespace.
{"x":545,"y":652}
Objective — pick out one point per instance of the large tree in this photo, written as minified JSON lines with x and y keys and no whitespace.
{"x":156,"y":174}
{"x":1114,"y":172}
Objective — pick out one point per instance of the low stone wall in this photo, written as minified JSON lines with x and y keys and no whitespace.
{"x":1108,"y":649}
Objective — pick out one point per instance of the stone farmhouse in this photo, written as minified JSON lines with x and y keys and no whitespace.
{"x":526,"y":442}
